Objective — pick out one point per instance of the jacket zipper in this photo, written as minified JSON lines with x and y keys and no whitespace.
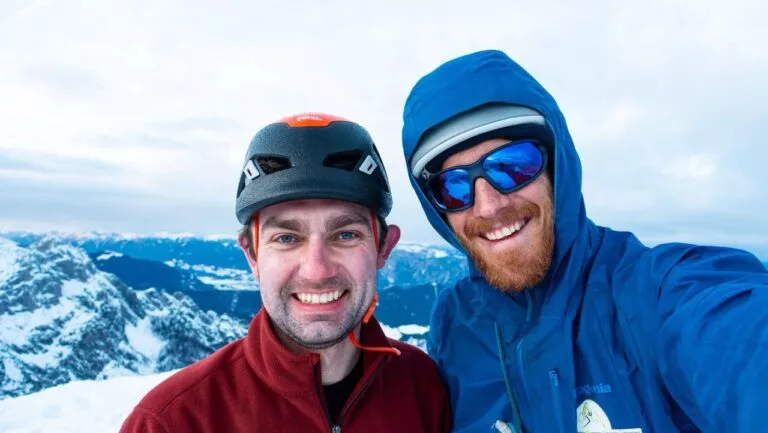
{"x":516,"y":422}
{"x":519,"y":352}
{"x":336,"y":428}
{"x":519,"y":348}
{"x":554,"y":382}
{"x":321,"y":397}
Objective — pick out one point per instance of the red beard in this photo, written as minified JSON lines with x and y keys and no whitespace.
{"x":519,"y":269}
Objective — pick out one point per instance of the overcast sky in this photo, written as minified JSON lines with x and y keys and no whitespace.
{"x":134,"y":116}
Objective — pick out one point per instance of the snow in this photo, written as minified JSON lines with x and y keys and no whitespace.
{"x":413,"y":329}
{"x":176,"y":263}
{"x":429,"y":250}
{"x":12,"y":372}
{"x":83,"y":406}
{"x":215,"y":237}
{"x":141,"y":338}
{"x":95,"y":235}
{"x":413,"y":332}
{"x":173,"y":236}
{"x":77,"y":320}
{"x":9,"y":253}
{"x":411,"y":247}
{"x":114,"y":370}
{"x":49,"y":359}
{"x":391,"y":332}
{"x":17,"y":330}
{"x":108,"y":255}
{"x":418,"y":342}
{"x":74,"y":288}
{"x":220,"y":278}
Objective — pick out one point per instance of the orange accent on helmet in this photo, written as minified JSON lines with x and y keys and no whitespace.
{"x":303,"y":120}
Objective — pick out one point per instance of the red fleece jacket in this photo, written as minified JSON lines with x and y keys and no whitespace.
{"x":255,"y":384}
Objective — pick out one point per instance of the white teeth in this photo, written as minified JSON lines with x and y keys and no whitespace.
{"x":505,"y":231}
{"x":319,"y":298}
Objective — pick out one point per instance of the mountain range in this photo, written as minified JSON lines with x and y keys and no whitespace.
{"x":83,"y":307}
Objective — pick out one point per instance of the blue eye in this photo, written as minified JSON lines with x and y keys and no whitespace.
{"x":284,"y":239}
{"x":347,"y":236}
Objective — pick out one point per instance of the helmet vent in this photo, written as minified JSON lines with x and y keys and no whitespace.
{"x":344,"y":160}
{"x":271,"y":164}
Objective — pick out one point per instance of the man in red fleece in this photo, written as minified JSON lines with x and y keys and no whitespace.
{"x":312,"y":199}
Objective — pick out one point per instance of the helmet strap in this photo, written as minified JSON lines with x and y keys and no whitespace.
{"x":255,"y":234}
{"x":366,"y":318}
{"x":374,"y":301}
{"x":375,"y":227}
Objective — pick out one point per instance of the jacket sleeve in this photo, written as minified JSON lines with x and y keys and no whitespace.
{"x":142,"y":421}
{"x":711,"y":327}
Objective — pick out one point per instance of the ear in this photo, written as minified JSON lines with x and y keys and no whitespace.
{"x":393,"y":235}
{"x":243,"y":243}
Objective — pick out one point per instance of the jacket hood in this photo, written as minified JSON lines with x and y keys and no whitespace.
{"x":488,"y":77}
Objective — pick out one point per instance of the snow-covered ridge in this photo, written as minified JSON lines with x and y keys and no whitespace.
{"x":123,"y":236}
{"x":108,"y":255}
{"x":439,"y":250}
{"x":62,"y":319}
{"x":430,"y":250}
{"x":8,"y":259}
{"x":220,"y":278}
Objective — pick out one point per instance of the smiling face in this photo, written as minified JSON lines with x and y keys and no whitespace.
{"x":509,"y":237}
{"x":317,"y":264}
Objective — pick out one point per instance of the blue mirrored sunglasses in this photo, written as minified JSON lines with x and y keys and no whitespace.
{"x":506,"y":168}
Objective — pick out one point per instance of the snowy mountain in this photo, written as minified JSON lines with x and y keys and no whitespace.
{"x":68,"y":315}
{"x":213,"y":273}
{"x":62,"y":319}
{"x":218,"y":261}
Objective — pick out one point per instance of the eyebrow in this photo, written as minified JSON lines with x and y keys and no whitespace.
{"x":279,"y":223}
{"x":347,"y":219}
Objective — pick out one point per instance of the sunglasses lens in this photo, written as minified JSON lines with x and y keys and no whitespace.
{"x":451,"y":189}
{"x":512,"y":166}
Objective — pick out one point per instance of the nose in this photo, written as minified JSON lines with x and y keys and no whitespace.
{"x":488,"y":201}
{"x":316,"y":263}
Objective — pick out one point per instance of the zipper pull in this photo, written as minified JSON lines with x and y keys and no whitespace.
{"x":554,"y":382}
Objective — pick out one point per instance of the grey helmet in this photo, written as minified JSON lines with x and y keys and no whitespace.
{"x":312,"y":155}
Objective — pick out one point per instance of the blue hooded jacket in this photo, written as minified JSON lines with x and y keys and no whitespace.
{"x":617,"y":336}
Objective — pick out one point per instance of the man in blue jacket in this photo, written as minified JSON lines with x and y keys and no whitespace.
{"x":563,"y":325}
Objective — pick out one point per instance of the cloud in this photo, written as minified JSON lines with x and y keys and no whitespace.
{"x":149,"y":106}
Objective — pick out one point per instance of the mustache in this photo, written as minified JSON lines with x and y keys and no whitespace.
{"x":336,"y":282}
{"x":477,"y":226}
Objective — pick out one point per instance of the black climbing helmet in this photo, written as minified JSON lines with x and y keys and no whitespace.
{"x":312,"y":155}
